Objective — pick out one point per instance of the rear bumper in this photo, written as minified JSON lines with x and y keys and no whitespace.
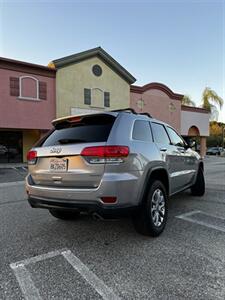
{"x":88,"y":206}
{"x":122,"y":186}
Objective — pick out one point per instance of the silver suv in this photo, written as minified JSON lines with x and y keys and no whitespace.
{"x":112,"y":163}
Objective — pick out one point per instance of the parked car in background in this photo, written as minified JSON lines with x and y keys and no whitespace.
{"x":112,"y":163}
{"x":214,"y":151}
{"x":3,"y":150}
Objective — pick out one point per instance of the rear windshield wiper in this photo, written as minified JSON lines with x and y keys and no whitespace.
{"x":70,"y":141}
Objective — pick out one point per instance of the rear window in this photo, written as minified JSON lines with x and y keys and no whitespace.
{"x":90,"y":129}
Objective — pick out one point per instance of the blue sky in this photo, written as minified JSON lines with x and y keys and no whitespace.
{"x":179,"y":43}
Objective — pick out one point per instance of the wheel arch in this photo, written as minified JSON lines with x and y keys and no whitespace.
{"x":160,"y":174}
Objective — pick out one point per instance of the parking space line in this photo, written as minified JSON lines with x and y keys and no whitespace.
{"x":188,"y":217}
{"x":26,"y":284}
{"x":32,"y":293}
{"x":35,"y":259}
{"x":89,"y":276}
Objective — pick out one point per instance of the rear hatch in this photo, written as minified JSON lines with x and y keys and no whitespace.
{"x":58,"y":159}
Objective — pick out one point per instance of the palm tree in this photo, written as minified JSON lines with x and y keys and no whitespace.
{"x":187,"y":101}
{"x":210,"y":99}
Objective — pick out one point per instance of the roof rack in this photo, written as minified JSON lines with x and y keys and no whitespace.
{"x":146,"y":114}
{"x":125,"y":110}
{"x":131,"y":110}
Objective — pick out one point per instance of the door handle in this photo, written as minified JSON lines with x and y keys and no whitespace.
{"x":163,"y":149}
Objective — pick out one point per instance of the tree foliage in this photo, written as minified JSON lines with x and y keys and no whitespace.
{"x":187,"y":101}
{"x":210,"y":101}
{"x":215,"y":128}
{"x":216,"y":134}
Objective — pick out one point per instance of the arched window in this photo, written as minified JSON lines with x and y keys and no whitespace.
{"x":29,"y":88}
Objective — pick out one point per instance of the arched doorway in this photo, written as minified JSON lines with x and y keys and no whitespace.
{"x":193,"y":131}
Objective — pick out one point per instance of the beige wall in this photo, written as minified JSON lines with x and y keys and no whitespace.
{"x":197,"y":119}
{"x":30,"y":137}
{"x":71,"y":81}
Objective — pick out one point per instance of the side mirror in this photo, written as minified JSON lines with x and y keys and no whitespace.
{"x":191,"y":144}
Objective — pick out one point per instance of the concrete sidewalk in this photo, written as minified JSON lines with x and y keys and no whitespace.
{"x":12,"y":165}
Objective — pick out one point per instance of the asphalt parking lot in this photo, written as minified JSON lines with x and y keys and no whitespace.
{"x":45,"y":258}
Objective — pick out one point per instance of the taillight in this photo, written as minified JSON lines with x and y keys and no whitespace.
{"x":105,"y":154}
{"x":32,"y":157}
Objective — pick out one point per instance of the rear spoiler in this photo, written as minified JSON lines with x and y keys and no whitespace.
{"x":68,"y":119}
{"x":77,"y":118}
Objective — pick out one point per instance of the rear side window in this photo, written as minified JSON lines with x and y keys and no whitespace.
{"x":90,"y":129}
{"x":142,"y":131}
{"x":160,"y":135}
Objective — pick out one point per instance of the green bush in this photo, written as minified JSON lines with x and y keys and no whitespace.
{"x":214,"y":141}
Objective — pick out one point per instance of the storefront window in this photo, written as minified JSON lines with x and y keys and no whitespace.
{"x":11,"y":147}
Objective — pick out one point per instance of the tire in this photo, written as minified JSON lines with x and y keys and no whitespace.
{"x":198,"y":189}
{"x":64,"y":214}
{"x":145,"y":219}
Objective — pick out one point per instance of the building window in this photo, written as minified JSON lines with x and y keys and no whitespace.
{"x":87,"y":96}
{"x":106,"y":99}
{"x":97,"y":70}
{"x":28,"y":88}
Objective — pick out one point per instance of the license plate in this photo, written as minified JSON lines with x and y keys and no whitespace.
{"x":58,"y":165}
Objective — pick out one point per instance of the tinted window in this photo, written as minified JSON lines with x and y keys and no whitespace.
{"x":175,"y":138}
{"x":142,"y":131}
{"x":160,"y":135}
{"x":89,"y":129}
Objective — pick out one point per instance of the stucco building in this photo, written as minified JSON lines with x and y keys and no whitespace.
{"x":32,"y":95}
{"x":27,"y":106}
{"x":90,"y":80}
{"x":162,"y":103}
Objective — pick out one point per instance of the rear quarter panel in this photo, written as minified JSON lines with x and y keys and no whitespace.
{"x":144,"y":156}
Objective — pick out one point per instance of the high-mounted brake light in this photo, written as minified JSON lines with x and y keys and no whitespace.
{"x":74,"y":119}
{"x":105,"y":154}
{"x":32,"y":157}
